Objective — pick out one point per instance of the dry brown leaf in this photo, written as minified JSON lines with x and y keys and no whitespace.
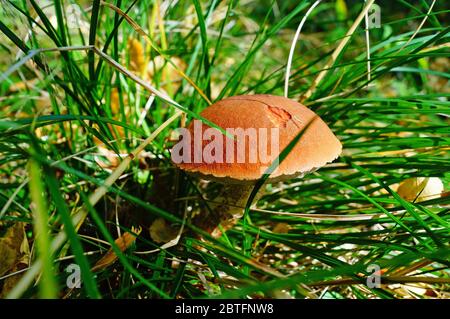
{"x":14,"y":255}
{"x":13,"y":247}
{"x":123,"y":243}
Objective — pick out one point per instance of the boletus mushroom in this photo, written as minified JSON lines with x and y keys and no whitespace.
{"x":258,"y":128}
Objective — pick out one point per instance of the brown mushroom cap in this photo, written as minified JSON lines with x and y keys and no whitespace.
{"x":316,"y":147}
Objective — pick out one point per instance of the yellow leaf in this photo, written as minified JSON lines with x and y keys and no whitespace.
{"x":422,"y":188}
{"x":137,"y":56}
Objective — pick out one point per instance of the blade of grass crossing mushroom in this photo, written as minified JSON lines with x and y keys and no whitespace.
{"x":274,"y":165}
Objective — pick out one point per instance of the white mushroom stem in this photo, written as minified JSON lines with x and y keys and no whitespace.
{"x":226,"y":209}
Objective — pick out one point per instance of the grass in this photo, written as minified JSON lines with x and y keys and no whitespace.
{"x":47,"y":284}
{"x":71,"y":100}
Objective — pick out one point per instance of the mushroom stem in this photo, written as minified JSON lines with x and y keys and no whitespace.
{"x":226,"y":209}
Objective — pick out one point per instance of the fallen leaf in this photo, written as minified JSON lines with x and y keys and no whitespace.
{"x":15,"y":256}
{"x":137,"y":57}
{"x":123,"y":243}
{"x":422,"y":188}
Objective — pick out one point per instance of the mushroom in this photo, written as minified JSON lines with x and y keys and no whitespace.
{"x":262,"y":124}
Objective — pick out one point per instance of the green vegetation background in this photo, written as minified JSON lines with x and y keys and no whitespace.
{"x":57,"y":107}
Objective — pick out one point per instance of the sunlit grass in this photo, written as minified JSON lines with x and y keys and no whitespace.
{"x":86,"y":109}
